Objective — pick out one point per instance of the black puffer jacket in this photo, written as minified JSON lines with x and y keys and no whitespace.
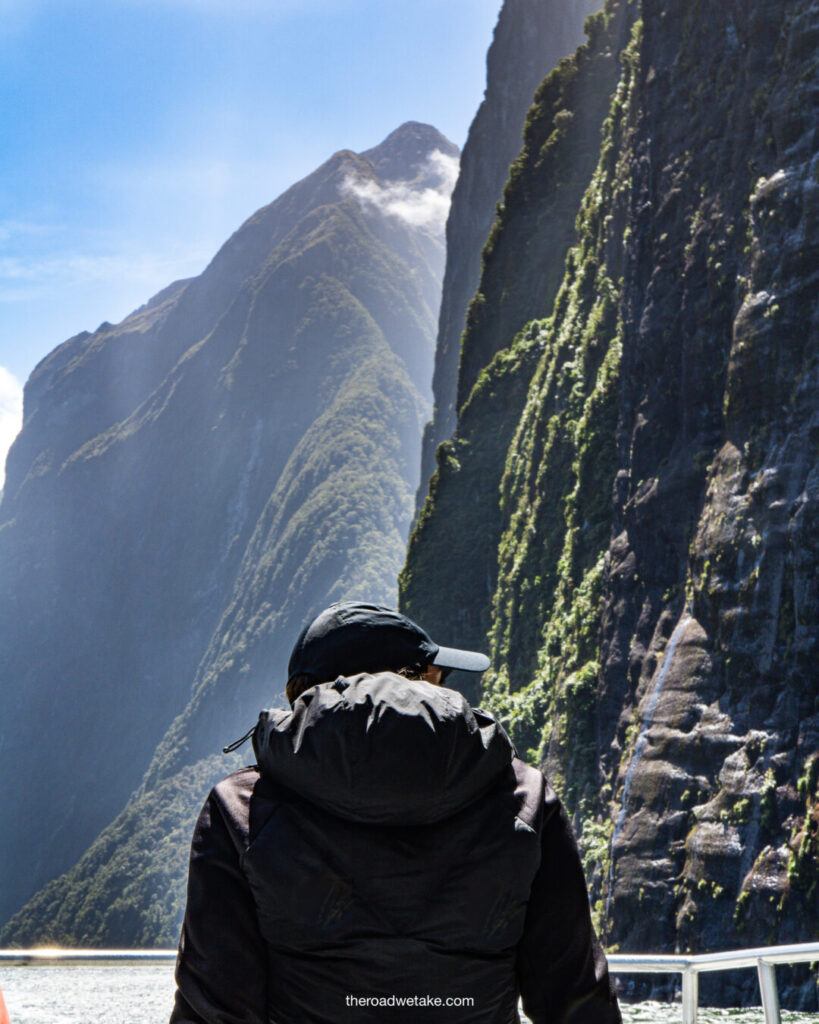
{"x":389,"y":860}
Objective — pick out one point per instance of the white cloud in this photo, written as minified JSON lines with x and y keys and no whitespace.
{"x":446,"y":168}
{"x":419,"y":206}
{"x":11,"y":415}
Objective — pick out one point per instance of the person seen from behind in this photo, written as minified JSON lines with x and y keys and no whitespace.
{"x":388,"y":858}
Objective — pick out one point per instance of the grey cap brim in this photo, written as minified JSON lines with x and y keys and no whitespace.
{"x":467,"y":661}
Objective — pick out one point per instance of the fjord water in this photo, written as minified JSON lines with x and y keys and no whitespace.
{"x":144,"y":995}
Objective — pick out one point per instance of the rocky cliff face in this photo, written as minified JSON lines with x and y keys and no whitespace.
{"x":523,"y":264}
{"x":530,"y":38}
{"x":650,"y":594}
{"x":189,"y":486}
{"x":710,"y":647}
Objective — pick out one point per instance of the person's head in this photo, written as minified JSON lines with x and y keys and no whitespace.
{"x":352,"y":637}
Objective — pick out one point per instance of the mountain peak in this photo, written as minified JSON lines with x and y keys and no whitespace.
{"x":405,"y":151}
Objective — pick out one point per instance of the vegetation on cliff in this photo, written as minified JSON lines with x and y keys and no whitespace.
{"x":532,"y":36}
{"x":626,"y":516}
{"x":557,"y":158}
{"x":189,"y":487}
{"x":645,"y":570}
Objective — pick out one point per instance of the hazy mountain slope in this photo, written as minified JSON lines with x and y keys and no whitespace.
{"x":532,"y":36}
{"x":654,"y":623}
{"x":253,"y":474}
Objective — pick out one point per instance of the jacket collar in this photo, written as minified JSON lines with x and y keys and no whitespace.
{"x":383,"y":749}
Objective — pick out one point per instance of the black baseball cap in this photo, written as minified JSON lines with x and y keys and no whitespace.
{"x":352,"y":637}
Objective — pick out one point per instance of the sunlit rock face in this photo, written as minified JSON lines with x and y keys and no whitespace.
{"x":188,"y":487}
{"x":647,"y":564}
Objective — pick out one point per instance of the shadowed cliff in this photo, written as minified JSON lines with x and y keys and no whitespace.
{"x":530,"y":38}
{"x":626,"y":514}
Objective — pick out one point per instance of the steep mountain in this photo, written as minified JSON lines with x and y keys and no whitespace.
{"x":188,"y":487}
{"x":523,"y":264}
{"x":531,"y":36}
{"x":627,"y":512}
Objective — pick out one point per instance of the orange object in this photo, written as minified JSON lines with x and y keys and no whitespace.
{"x":4,"y":1013}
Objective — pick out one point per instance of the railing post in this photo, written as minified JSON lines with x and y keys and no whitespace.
{"x":690,"y":996}
{"x":770,"y":993}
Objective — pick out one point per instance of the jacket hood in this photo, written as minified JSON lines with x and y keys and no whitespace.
{"x":383,"y":749}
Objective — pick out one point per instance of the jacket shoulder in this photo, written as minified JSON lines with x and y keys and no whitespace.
{"x":235,"y":787}
{"x":537,"y":801}
{"x":237,"y":800}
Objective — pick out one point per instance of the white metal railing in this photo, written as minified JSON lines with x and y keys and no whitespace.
{"x":690,"y":966}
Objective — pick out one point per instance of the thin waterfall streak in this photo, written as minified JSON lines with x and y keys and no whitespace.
{"x":639,"y":747}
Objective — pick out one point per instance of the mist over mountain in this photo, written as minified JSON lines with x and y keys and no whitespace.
{"x":189,"y":486}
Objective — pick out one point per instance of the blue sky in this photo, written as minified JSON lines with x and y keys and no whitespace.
{"x":136,"y":135}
